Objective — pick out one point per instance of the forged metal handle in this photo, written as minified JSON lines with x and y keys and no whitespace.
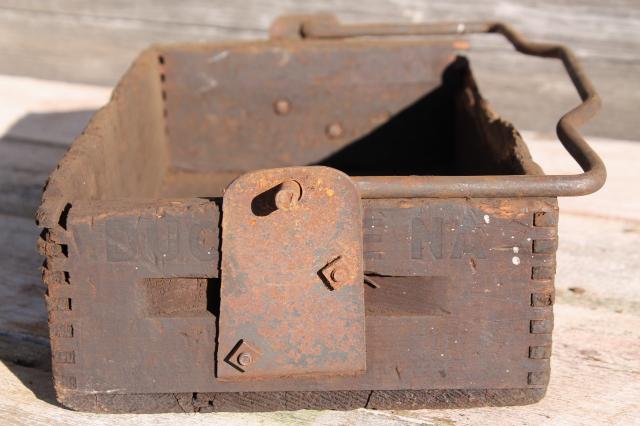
{"x":590,"y":181}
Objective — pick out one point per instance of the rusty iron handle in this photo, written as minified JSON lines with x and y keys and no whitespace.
{"x":590,"y":181}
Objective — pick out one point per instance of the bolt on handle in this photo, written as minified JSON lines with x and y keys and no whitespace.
{"x":288,"y":195}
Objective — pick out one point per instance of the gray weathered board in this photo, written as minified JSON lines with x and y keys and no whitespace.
{"x":96,"y":41}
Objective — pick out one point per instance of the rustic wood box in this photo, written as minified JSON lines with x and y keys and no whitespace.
{"x":448,"y":298}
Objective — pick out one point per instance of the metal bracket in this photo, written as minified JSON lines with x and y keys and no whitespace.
{"x":291,"y":275}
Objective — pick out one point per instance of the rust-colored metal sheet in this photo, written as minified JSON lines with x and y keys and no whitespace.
{"x":291,"y":297}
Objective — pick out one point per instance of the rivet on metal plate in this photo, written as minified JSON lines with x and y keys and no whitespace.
{"x":245,"y":359}
{"x":282,"y":107}
{"x":288,"y":195}
{"x":335,"y":274}
{"x":334,"y":130}
{"x":242,"y":356}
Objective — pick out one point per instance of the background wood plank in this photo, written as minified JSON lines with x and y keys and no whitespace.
{"x":24,"y":168}
{"x":95,"y":42}
{"x":21,"y":290}
{"x":46,"y":111}
{"x":596,"y":371}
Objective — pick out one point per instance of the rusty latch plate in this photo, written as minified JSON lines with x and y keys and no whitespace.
{"x":291,"y":297}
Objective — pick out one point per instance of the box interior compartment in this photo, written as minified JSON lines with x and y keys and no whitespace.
{"x":392,"y":108}
{"x":188,"y":119}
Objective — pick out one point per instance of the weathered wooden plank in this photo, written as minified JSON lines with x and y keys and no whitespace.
{"x":95,"y":42}
{"x":116,"y":30}
{"x":47,"y":111}
{"x":599,"y":29}
{"x":34,"y":42}
{"x":24,"y":168}
{"x":50,"y":127}
{"x":617,"y":200}
{"x":21,"y":290}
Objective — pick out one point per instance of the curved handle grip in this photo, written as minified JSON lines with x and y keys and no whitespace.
{"x":590,"y":181}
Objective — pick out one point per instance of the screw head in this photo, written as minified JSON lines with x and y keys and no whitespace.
{"x":244,"y":359}
{"x":336,"y":273}
{"x":288,"y":195}
{"x":339,"y":274}
{"x":282,"y":106}
{"x":334,"y":130}
{"x":285,"y":199}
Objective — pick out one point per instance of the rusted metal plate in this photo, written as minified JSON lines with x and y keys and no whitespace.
{"x":291,"y":297}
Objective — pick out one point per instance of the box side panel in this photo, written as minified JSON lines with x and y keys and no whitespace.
{"x":399,"y":109}
{"x":300,"y":400}
{"x":104,"y":299}
{"x":477,"y":276}
{"x":498,"y":256}
{"x":241,"y":107}
{"x":121,"y":153}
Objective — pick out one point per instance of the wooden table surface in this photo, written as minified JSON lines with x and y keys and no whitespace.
{"x":596,"y":355}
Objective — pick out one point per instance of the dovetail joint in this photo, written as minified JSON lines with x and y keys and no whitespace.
{"x":541,"y":326}
{"x":539,"y":300}
{"x":542,"y":273}
{"x":540,"y":352}
{"x":64,"y":357}
{"x":61,"y":330}
{"x":57,"y":280}
{"x":68,"y":382}
{"x":545,"y":246}
{"x":538,"y":378}
{"x":544,"y":218}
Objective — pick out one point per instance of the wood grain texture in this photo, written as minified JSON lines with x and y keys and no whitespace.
{"x":592,"y":346}
{"x":24,"y":167}
{"x":480,"y":339}
{"x":44,"y":111}
{"x":21,"y":290}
